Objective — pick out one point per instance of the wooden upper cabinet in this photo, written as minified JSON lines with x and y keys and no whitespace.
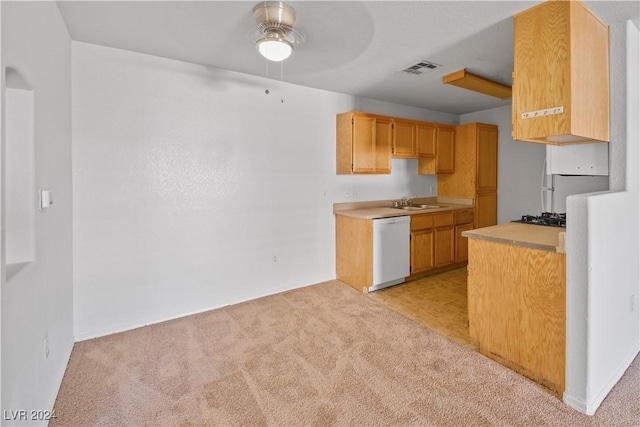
{"x":444,"y":159}
{"x":366,"y":142}
{"x":445,"y":149}
{"x":363,"y":143}
{"x":561,"y":75}
{"x":404,"y":139}
{"x":425,"y":140}
{"x":382,"y":144}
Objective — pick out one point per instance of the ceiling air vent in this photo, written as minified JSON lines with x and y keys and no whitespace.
{"x":421,"y":67}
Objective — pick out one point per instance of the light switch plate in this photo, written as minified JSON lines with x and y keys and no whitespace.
{"x":46,"y":199}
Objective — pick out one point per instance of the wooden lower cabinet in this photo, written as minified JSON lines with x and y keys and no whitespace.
{"x":421,"y":251}
{"x":354,"y":252}
{"x":516,"y":300}
{"x":443,"y":242}
{"x":462,"y":243}
{"x":435,"y":242}
{"x":463,"y":222}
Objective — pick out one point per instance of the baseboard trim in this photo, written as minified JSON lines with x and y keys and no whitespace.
{"x":590,"y":407}
{"x":60,"y":376}
{"x":129,"y":327}
{"x":577,"y":404}
{"x":146,"y":322}
{"x":594,"y":403}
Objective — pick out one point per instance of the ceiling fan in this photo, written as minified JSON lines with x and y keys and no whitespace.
{"x":275,"y":37}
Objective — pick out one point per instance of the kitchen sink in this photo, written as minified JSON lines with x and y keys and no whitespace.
{"x":418,"y":207}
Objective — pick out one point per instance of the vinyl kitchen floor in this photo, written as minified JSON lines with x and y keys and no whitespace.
{"x":438,"y":302}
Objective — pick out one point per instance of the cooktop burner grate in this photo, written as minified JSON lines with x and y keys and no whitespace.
{"x":551,"y":219}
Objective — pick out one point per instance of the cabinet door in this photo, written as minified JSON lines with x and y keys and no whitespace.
{"x":364,"y":150}
{"x":371,"y":144}
{"x":383,"y":146}
{"x":444,"y":150}
{"x":561,"y":59}
{"x":425,"y":140}
{"x":421,"y":251}
{"x":487,"y":158}
{"x":404,"y":139}
{"x":443,"y":238}
{"x":486,"y":210}
{"x":462,"y":243}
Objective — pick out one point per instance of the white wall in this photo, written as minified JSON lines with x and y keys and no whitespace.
{"x":37,"y":301}
{"x":188,"y":181}
{"x":20,"y":189}
{"x":603,"y":249}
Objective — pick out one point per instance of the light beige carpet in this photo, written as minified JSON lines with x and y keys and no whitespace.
{"x":320,"y":355}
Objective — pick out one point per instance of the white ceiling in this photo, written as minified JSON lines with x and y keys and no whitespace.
{"x":352,"y":47}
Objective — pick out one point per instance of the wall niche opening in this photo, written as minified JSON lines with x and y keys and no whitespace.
{"x":20,"y":191}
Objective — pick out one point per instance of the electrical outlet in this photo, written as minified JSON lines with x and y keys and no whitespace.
{"x":633,"y":299}
{"x":275,"y":259}
{"x":46,"y":348}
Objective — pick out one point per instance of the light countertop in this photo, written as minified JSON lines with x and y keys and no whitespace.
{"x":525,"y":235}
{"x":383,"y":209}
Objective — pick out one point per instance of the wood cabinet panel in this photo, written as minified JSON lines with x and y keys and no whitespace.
{"x":420,"y":222}
{"x":462,"y":243}
{"x":561,"y":59}
{"x":422,"y":251}
{"x":425,"y":140}
{"x":443,"y":219}
{"x":476,"y":170}
{"x":486,"y":158}
{"x":363,"y":144}
{"x":443,"y":162}
{"x":382,"y":143}
{"x":516,"y":301}
{"x":443,"y":243}
{"x":445,"y":150}
{"x":354,"y":252}
{"x":404,"y":139}
{"x":364,"y":147}
{"x":464,"y":217}
{"x":486,"y":210}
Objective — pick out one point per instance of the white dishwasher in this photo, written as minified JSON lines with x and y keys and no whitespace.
{"x":390,"y":251}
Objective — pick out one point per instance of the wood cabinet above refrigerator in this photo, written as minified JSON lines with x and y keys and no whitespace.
{"x":561,"y":75}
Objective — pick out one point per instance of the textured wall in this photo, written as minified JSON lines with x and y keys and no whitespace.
{"x":37,"y":301}
{"x":189,"y":182}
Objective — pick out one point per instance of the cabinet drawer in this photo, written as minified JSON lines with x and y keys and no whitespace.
{"x":441,"y":220}
{"x":463,"y":217}
{"x":420,"y":222}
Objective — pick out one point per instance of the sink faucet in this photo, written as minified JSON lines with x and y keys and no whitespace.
{"x":407,"y":201}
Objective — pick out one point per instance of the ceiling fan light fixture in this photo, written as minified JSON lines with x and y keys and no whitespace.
{"x":275,"y":21}
{"x":274,"y":47}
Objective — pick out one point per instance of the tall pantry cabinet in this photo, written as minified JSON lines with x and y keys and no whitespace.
{"x":476,"y":171}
